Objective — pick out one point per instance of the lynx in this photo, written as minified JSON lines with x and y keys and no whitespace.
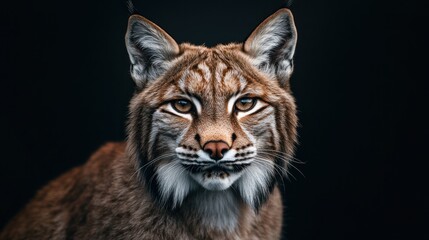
{"x":211,"y":132}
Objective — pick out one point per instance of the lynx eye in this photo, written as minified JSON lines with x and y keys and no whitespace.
{"x":245,"y":104}
{"x":182,"y":106}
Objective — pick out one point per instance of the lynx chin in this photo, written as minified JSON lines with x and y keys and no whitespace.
{"x":211,"y":131}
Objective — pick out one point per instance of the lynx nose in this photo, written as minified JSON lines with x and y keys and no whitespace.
{"x":216,"y":149}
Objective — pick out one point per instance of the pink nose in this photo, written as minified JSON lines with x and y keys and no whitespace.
{"x":216,"y":149}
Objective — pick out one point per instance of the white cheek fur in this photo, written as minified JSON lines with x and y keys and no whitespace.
{"x":174,"y":182}
{"x":253,"y":181}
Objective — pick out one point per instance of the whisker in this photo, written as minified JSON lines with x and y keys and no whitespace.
{"x":278,"y":169}
{"x":281,"y":154}
{"x":152,"y":162}
{"x":290,"y":163}
{"x":262,"y":162}
{"x":283,"y":171}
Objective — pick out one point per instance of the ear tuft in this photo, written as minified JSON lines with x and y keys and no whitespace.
{"x":150,"y":49}
{"x":272,"y":45}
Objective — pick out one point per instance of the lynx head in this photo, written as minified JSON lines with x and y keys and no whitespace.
{"x":212,"y":119}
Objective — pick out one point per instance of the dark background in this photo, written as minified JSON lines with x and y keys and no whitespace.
{"x":360,"y":83}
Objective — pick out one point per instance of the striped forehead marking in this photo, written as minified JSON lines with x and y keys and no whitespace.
{"x":220,"y":72}
{"x":204,"y":71}
{"x":212,"y":81}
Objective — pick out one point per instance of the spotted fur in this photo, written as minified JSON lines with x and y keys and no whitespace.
{"x":163,"y":183}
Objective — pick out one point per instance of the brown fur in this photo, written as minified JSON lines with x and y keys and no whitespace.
{"x":103,"y":199}
{"x":111,"y":196}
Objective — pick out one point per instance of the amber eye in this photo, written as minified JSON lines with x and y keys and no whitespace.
{"x":182,"y":106}
{"x":245,"y":104}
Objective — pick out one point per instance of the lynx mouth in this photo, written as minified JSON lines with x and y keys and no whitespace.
{"x":216,"y":174}
{"x":215,"y":178}
{"x":215,"y":168}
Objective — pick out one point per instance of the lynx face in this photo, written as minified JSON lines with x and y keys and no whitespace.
{"x":218,"y":119}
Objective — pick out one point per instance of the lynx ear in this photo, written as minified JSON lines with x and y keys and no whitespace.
{"x":272,"y":45}
{"x":150,"y":49}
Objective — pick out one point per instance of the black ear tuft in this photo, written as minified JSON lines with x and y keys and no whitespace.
{"x":288,"y":3}
{"x":132,"y":8}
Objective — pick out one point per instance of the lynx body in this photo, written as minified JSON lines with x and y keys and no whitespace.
{"x":211,"y":131}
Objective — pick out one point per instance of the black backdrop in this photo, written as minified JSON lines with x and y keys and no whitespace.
{"x":359,"y":82}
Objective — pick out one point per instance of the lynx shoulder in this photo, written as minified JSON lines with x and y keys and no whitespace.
{"x":210,"y":132}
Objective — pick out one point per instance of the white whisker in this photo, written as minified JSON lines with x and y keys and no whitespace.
{"x":288,"y":160}
{"x":152,"y":162}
